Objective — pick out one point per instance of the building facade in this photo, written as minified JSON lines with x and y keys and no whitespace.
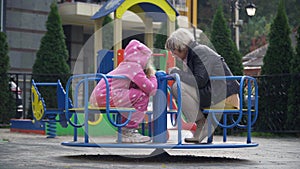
{"x":24,"y":22}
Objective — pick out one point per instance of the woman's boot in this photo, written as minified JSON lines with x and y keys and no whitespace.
{"x":200,"y":133}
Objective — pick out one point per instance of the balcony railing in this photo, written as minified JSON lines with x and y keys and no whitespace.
{"x":85,"y":1}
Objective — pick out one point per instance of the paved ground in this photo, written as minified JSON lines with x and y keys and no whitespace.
{"x":36,"y":151}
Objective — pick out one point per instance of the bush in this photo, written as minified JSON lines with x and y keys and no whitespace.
{"x":273,"y":91}
{"x":224,"y":45}
{"x":6,"y":99}
{"x":52,"y":56}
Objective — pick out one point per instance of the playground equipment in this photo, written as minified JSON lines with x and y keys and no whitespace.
{"x":156,"y":120}
{"x":148,"y":11}
{"x":52,"y":116}
{"x":48,"y":115}
{"x":244,"y":117}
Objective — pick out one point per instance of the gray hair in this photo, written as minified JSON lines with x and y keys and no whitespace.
{"x":179,"y":39}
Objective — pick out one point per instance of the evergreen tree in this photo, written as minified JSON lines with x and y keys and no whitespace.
{"x":280,"y":51}
{"x":162,"y":36}
{"x":6,"y":108}
{"x":293,"y":117}
{"x":159,"y":43}
{"x":51,"y":59}
{"x":224,"y":45}
{"x":274,"y":86}
{"x":160,"y":40}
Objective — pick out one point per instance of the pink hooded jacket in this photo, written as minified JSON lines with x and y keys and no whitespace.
{"x":122,"y":94}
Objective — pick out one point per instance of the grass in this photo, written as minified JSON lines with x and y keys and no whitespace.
{"x":4,"y":125}
{"x":270,"y":134}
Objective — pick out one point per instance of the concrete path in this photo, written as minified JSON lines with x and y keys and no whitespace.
{"x":19,"y":150}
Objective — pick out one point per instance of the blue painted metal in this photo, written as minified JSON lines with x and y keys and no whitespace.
{"x":107,"y":8}
{"x":109,"y":111}
{"x":46,"y":84}
{"x":84,"y":80}
{"x":160,"y":116}
{"x":160,"y":109}
{"x":60,"y":92}
{"x":176,"y":77}
{"x":49,"y":115}
{"x":51,"y":126}
{"x":224,"y":130}
{"x":150,"y":10}
{"x":149,"y":114}
{"x":249,"y":112}
{"x":86,"y":112}
{"x":162,"y":145}
{"x":105,"y":58}
{"x":27,"y":126}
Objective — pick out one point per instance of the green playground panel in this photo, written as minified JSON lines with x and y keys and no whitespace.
{"x":104,"y":128}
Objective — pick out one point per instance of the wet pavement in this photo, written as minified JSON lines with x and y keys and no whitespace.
{"x":18,"y":150}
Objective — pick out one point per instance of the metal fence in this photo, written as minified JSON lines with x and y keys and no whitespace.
{"x":274,"y":101}
{"x":23,"y":83}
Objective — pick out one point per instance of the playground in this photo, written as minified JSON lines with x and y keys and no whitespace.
{"x":75,"y":135}
{"x":36,"y":151}
{"x":100,"y":127}
{"x":73,"y":110}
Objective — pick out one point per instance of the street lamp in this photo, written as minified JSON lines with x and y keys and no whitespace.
{"x":2,"y":15}
{"x":250,"y":9}
{"x":235,"y":6}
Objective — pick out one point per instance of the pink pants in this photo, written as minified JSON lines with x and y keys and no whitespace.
{"x":136,"y":118}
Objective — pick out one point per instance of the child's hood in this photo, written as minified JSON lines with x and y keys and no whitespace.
{"x":137,"y":52}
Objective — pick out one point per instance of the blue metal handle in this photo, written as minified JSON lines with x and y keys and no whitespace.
{"x":86,"y":78}
{"x":242,"y":80}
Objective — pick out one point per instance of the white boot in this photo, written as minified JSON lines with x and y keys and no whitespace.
{"x":133,"y":136}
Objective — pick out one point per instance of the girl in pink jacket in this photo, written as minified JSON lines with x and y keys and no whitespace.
{"x":131,"y":92}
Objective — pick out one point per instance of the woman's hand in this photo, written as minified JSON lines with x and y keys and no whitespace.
{"x":171,"y":69}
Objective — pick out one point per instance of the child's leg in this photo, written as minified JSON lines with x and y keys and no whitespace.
{"x":140,"y":102}
{"x":135,"y":120}
{"x":130,"y":131}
